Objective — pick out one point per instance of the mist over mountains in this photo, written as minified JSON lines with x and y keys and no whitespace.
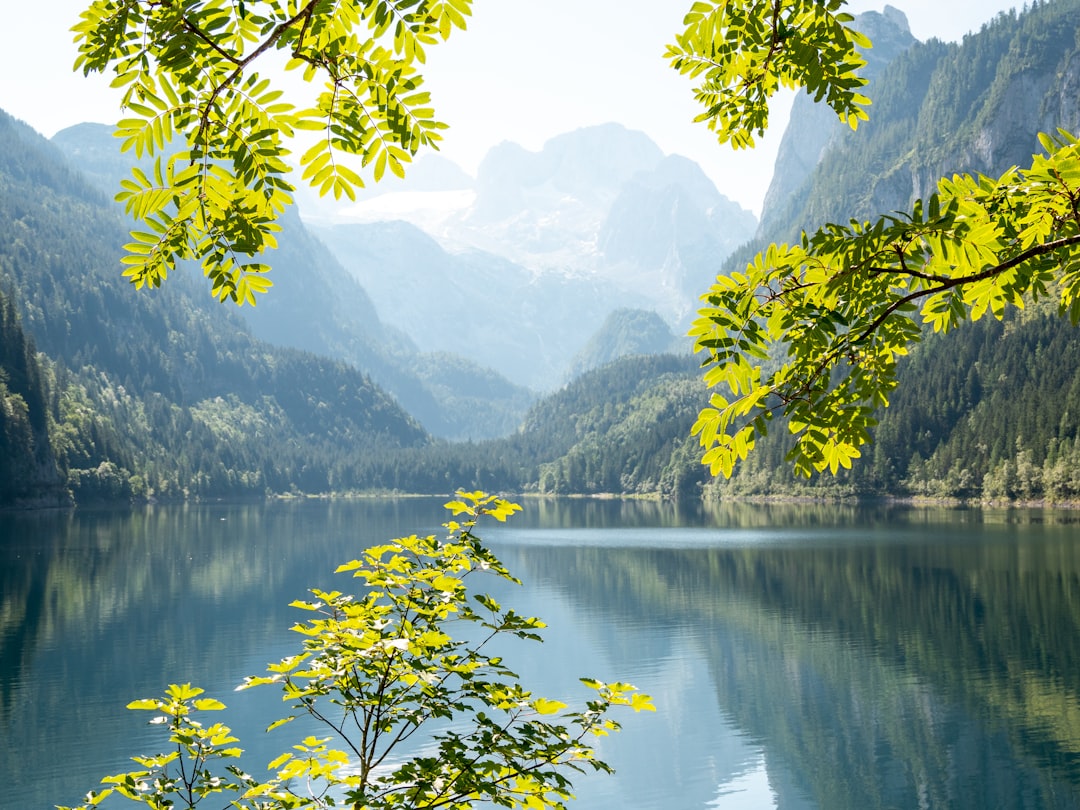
{"x":518,"y":269}
{"x":445,"y":307}
{"x":515,"y":274}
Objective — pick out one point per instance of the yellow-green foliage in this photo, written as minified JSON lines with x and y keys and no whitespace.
{"x":813,"y":331}
{"x":189,"y":74}
{"x":378,"y":668}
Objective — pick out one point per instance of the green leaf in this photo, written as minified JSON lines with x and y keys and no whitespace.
{"x":545,"y":706}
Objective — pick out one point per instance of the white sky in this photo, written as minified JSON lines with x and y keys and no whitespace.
{"x":524,"y":71}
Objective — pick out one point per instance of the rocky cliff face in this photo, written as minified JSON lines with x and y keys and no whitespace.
{"x":938,"y":109}
{"x":1029,"y":70}
{"x":1023,"y":104}
{"x":813,"y":127}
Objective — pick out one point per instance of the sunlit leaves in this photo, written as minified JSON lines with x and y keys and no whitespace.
{"x":814,"y":331}
{"x":743,"y":51}
{"x":219,"y":129}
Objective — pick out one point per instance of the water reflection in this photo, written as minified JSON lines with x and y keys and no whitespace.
{"x":936,"y":669}
{"x":97,"y":608}
{"x":800,"y":656}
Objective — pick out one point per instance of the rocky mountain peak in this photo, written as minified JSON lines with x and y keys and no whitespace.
{"x":813,"y":127}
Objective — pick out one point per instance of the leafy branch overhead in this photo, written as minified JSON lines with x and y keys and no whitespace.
{"x":814,"y":330}
{"x":743,"y":51}
{"x":188,"y":74}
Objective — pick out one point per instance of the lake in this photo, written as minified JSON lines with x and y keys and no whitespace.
{"x":799,"y":656}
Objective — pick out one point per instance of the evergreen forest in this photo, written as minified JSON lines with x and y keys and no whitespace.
{"x":108,"y":394}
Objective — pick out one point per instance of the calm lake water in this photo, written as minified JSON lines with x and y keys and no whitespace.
{"x":798,"y":656}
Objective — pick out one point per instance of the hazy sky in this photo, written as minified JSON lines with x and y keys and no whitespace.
{"x":524,"y":71}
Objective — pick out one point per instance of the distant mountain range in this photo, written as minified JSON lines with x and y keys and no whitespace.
{"x":515,"y":276}
{"x":596,"y":202}
{"x":518,"y":268}
{"x":316,"y":306}
{"x":111,"y":394}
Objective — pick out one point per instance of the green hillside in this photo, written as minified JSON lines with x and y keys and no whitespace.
{"x":29,"y":475}
{"x":622,"y":428}
{"x":626,"y":332}
{"x":164,"y":393}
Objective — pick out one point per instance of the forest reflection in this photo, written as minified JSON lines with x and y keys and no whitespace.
{"x":940,"y":672}
{"x":852,"y":656}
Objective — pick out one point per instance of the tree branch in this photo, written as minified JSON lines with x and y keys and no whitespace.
{"x":190,"y":26}
{"x":950,"y":283}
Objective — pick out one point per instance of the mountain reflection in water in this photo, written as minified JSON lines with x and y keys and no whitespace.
{"x":798,"y":656}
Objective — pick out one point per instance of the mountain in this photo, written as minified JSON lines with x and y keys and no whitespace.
{"x":474,"y":304}
{"x":543,"y":248}
{"x":165,"y":392}
{"x":667,"y":231}
{"x":579,"y":205}
{"x":940,"y":109}
{"x":317,"y":306}
{"x":561,"y":188}
{"x":625,"y":332}
{"x":812,"y":128}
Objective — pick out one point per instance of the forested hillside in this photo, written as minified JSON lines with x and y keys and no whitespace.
{"x":160,"y":393}
{"x":29,"y":475}
{"x":627,"y":332}
{"x":621,"y":428}
{"x":317,"y":306}
{"x":986,"y":411}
